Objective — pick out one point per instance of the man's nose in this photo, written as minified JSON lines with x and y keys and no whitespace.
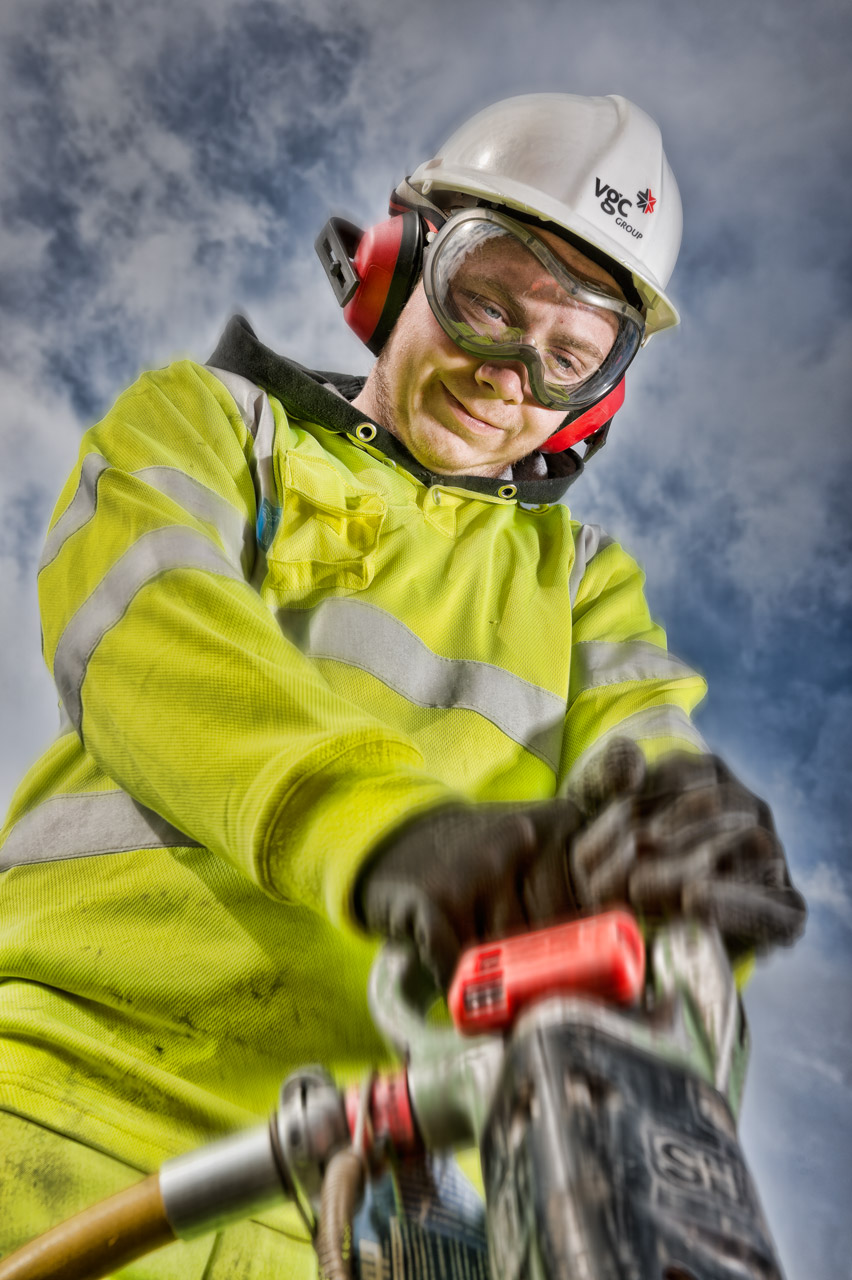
{"x":507,"y":380}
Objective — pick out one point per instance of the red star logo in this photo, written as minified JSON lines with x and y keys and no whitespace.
{"x":646,"y":200}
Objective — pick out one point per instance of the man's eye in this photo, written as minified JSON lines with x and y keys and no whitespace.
{"x":490,"y":310}
{"x":566,"y":367}
{"x":481,"y":309}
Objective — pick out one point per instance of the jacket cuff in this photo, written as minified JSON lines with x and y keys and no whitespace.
{"x":326,"y":828}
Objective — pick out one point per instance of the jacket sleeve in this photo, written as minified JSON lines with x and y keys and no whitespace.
{"x":176,"y":675}
{"x":624,"y":682}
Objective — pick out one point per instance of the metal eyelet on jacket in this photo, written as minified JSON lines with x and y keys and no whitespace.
{"x":507,"y":491}
{"x":366,"y":431}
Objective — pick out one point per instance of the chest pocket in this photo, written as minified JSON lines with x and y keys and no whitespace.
{"x":328,"y":535}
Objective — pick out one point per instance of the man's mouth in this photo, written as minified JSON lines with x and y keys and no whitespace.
{"x":479,"y":425}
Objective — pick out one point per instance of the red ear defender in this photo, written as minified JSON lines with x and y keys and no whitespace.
{"x":372,"y":272}
{"x":587,"y":423}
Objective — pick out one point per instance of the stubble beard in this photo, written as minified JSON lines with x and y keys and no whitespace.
{"x":381,"y":408}
{"x":380,"y":392}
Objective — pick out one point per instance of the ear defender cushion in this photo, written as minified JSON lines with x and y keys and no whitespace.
{"x":387,"y":261}
{"x":587,"y":423}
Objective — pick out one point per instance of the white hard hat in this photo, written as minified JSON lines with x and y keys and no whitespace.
{"x":593,"y":166}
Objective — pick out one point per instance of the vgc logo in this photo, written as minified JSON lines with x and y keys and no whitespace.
{"x":614,"y":202}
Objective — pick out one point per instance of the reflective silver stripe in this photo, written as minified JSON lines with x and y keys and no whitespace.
{"x":588,"y":541}
{"x":195,"y":498}
{"x":362,"y":635}
{"x":246,"y":395}
{"x":80,"y":509}
{"x":601,"y":662}
{"x":92,"y":822}
{"x":205,"y":504}
{"x":651,"y":722}
{"x":172,"y":547}
{"x":256,"y":412}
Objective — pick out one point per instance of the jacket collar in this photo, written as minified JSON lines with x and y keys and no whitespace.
{"x":321,"y":397}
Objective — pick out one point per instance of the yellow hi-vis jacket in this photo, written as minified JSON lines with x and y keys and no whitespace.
{"x":274,"y":640}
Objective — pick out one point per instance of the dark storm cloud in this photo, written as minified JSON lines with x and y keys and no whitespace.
{"x":104,"y":150}
{"x":22,"y":527}
{"x":221,"y":96}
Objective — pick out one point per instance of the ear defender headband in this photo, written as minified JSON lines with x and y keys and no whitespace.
{"x":373,"y":274}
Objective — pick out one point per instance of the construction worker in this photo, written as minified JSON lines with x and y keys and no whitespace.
{"x":335,"y":663}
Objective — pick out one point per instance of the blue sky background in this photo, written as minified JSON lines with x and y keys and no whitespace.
{"x":164,"y":164}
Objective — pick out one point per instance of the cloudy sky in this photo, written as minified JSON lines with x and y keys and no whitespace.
{"x":163,"y":164}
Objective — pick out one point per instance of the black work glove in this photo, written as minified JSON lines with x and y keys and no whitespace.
{"x":684,"y":838}
{"x":459,"y":875}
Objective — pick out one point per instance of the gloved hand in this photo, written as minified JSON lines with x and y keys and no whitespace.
{"x":684,"y":838}
{"x":463,"y":874}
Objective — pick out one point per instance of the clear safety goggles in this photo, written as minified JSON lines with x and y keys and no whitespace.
{"x":501,"y":294}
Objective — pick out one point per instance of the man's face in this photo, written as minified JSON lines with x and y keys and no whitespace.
{"x":460,"y":415}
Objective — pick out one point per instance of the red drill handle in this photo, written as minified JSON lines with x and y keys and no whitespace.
{"x":601,"y":956}
{"x":388,"y":1112}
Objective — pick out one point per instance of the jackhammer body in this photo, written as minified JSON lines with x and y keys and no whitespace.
{"x":607,"y":1135}
{"x":606,"y":1132}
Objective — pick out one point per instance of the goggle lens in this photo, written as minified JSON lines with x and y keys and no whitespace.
{"x":500,"y":293}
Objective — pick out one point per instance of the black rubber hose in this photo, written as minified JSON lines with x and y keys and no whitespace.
{"x":342,"y":1188}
